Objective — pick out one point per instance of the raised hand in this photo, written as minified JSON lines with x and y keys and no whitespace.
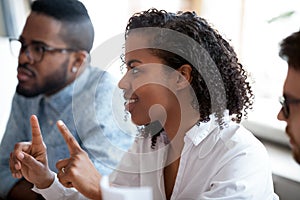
{"x":29,"y":159}
{"x":78,"y":171}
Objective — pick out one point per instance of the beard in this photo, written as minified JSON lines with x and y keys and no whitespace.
{"x":296,"y":154}
{"x":50,"y":84}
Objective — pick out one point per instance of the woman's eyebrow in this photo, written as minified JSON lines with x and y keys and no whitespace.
{"x":128,"y":63}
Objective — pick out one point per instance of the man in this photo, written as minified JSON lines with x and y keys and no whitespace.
{"x":290,"y":112}
{"x":54,"y":52}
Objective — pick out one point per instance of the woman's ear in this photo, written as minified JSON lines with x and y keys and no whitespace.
{"x":184,"y":76}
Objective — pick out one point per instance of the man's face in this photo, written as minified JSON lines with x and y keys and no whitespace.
{"x":50,"y":74}
{"x":291,"y":91}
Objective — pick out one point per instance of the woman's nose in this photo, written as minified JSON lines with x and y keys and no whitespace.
{"x":124,"y":82}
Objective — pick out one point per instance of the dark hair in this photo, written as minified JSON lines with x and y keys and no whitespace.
{"x":289,"y":50}
{"x":238,"y":96}
{"x":78,"y":30}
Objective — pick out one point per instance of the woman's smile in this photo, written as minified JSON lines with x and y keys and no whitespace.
{"x":130,"y":103}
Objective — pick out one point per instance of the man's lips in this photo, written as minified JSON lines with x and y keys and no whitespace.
{"x":24,"y":74}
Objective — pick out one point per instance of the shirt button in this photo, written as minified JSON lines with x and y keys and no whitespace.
{"x":50,"y":122}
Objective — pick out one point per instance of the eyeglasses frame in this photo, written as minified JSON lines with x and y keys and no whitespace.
{"x":285,"y":103}
{"x":45,"y":48}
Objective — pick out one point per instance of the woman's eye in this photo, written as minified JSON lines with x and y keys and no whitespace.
{"x":134,"y":70}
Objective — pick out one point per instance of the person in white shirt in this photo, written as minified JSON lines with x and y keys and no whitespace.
{"x":187,"y":92}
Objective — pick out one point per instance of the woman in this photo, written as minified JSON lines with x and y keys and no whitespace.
{"x":182,"y":75}
{"x":187,"y":92}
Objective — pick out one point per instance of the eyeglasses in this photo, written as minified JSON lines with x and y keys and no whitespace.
{"x":285,"y":103}
{"x":34,"y":51}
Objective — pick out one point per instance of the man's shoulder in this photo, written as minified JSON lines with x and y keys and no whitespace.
{"x":97,"y":82}
{"x":100,"y":76}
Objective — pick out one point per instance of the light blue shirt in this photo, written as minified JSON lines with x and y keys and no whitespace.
{"x":86,"y":107}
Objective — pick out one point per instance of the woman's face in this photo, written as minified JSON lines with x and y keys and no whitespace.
{"x":147,"y":86}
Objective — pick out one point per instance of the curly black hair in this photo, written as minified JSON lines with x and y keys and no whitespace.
{"x":218,"y":79}
{"x":78,"y":30}
{"x":289,"y":50}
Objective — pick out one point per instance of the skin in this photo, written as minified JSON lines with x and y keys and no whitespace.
{"x":291,"y":89}
{"x":152,"y":85}
{"x":29,"y":160}
{"x":48,"y":76}
{"x":53,"y":72}
{"x":159,"y":95}
{"x":148,"y":83}
{"x":145,"y":85}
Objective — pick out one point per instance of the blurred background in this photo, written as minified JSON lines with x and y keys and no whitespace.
{"x":253,"y":27}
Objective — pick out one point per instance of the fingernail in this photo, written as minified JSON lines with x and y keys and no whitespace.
{"x":59,"y":122}
{"x":20,"y":156}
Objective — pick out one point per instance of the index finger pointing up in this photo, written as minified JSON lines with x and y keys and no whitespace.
{"x":73,"y":145}
{"x":36,"y":131}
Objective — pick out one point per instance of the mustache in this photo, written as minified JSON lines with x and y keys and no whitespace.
{"x":26,"y":67}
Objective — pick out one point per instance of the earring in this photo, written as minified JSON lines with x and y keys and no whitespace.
{"x":74,"y":69}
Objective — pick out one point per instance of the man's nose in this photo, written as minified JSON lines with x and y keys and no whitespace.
{"x":280,"y":115}
{"x":25,"y":57}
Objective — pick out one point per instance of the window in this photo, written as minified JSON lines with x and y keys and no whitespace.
{"x":255,"y":28}
{"x":14,"y":14}
{"x":110,"y":25}
{"x":12,"y":18}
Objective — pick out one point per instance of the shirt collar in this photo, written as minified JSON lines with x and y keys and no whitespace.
{"x":201,"y":130}
{"x":63,"y":98}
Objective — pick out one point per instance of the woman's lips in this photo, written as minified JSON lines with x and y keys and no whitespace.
{"x":129,"y":104}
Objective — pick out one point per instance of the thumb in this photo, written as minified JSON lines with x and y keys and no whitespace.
{"x":28,"y":160}
{"x":72,"y":144}
{"x":35,"y":172}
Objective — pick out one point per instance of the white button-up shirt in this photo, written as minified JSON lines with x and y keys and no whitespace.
{"x":228,"y":163}
{"x":215,"y":164}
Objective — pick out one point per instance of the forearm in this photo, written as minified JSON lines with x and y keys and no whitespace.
{"x":56,"y":191}
{"x":46,"y":182}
